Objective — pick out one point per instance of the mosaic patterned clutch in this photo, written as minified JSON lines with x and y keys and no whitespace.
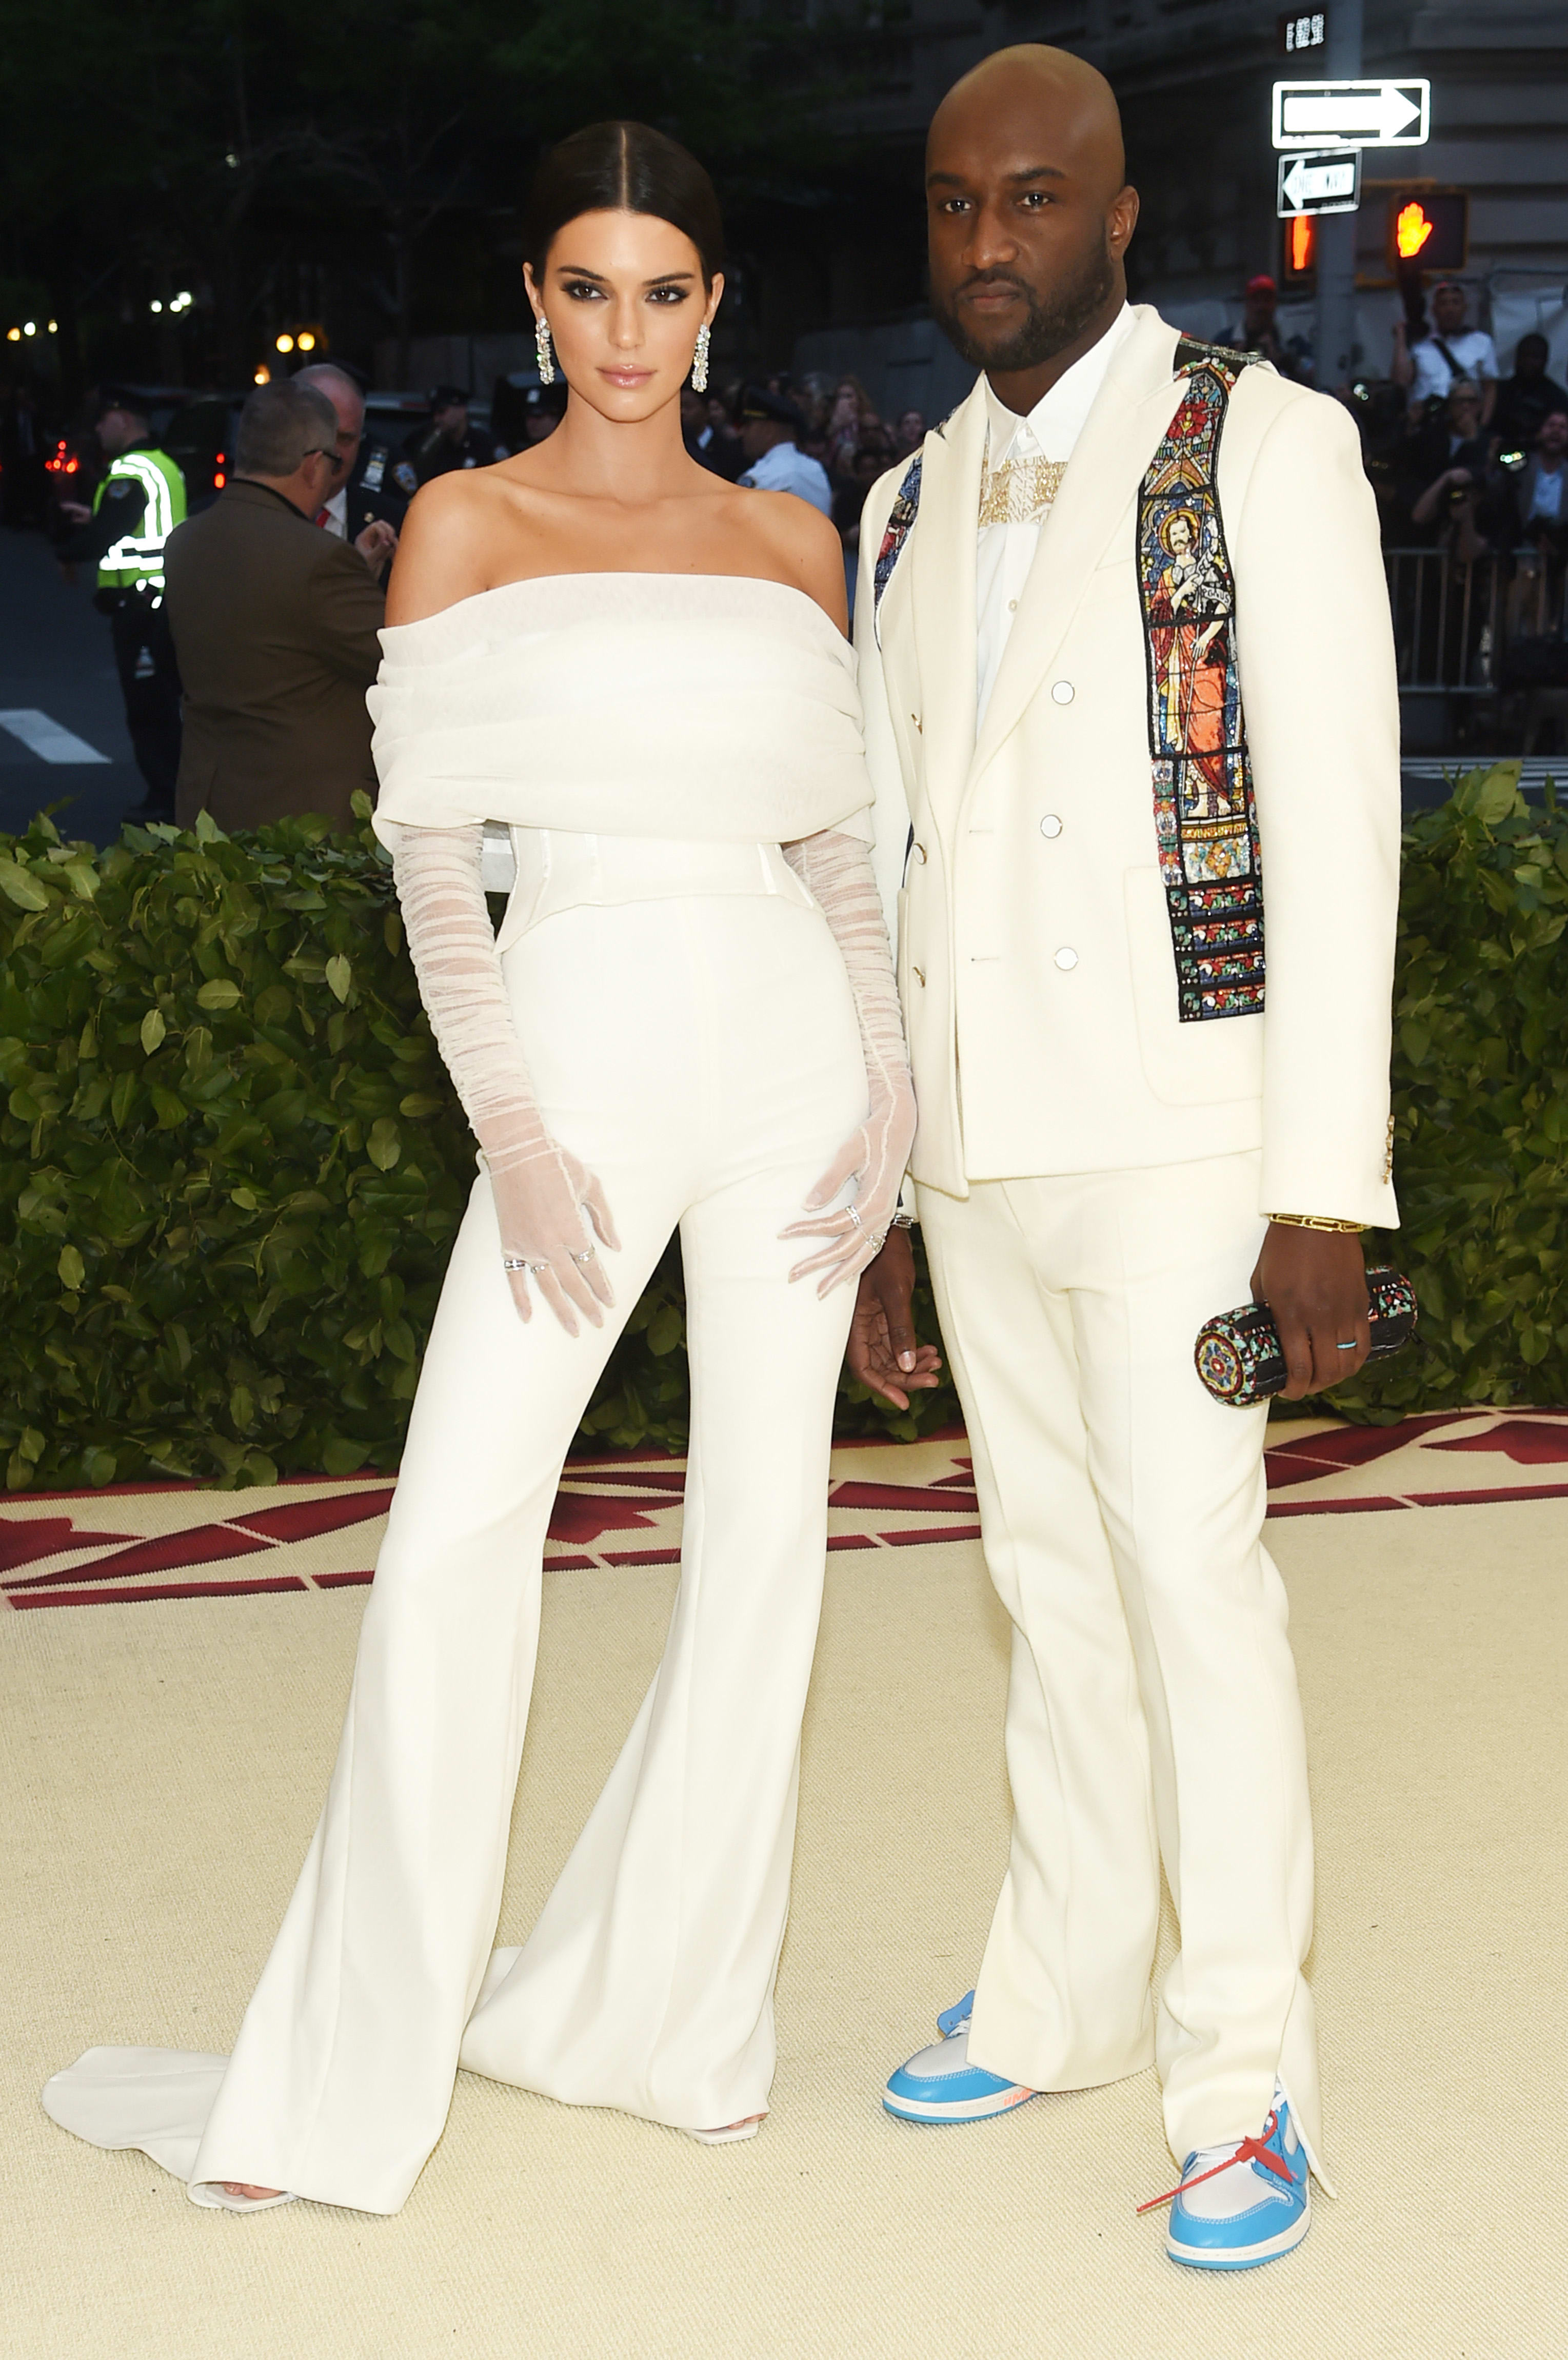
{"x":1238,"y":1358}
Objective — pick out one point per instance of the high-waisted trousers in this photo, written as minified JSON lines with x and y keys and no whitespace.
{"x":702,"y":1058}
{"x":1152,"y":1709}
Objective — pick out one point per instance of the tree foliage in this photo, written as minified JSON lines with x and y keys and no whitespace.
{"x":366,"y":156}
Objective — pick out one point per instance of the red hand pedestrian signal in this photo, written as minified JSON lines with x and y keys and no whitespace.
{"x":1413,"y":227}
{"x":1429,"y":232}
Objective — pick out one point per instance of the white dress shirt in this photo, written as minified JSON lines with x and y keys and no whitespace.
{"x":333,"y":517}
{"x":1006,"y":551}
{"x":787,"y":469}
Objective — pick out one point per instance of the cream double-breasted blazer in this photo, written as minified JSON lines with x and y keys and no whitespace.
{"x":1036,"y":963}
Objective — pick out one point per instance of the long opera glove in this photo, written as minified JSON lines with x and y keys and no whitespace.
{"x":545,"y":1199}
{"x":836,"y":871}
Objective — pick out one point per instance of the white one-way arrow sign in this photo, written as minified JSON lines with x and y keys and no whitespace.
{"x":1352,"y":114}
{"x":1319,"y":184}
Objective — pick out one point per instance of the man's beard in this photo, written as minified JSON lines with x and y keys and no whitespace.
{"x":1049,"y":328}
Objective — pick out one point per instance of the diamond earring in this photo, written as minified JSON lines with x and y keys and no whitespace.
{"x":699,"y":360}
{"x":542,"y":348}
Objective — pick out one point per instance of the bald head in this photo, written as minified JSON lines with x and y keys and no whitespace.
{"x":348,"y":407}
{"x":1034,"y":96}
{"x":1029,"y":215}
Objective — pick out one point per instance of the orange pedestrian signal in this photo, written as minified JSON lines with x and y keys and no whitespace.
{"x":1413,"y":227}
{"x":1431,"y":232}
{"x":1300,"y":248}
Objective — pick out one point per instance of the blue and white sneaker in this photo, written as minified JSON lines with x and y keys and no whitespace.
{"x":1242,"y":2205}
{"x":940,"y":2085}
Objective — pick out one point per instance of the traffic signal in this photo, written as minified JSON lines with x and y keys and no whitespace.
{"x":1431,"y":233}
{"x":1301,"y":250}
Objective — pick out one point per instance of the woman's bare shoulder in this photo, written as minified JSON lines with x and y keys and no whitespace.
{"x":805,"y":548}
{"x":446,"y":547}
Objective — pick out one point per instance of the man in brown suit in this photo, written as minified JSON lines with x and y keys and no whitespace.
{"x":275,"y":624}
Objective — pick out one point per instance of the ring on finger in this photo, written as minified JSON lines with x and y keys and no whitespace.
{"x":517,"y":1262}
{"x":1351,"y":1347}
{"x":589,"y":1256}
{"x":854,"y":1216}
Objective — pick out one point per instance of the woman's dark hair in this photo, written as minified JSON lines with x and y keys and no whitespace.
{"x":626,"y":168}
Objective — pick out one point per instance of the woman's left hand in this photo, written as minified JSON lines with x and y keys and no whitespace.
{"x":873,"y":1157}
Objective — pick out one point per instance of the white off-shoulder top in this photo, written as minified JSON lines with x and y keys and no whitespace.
{"x":687,"y":707}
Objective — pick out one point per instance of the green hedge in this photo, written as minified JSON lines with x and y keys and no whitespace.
{"x":235,"y":1165}
{"x":1480,"y":1106}
{"x":232,"y":1166}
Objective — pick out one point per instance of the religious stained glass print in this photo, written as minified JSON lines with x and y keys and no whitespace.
{"x":1205,"y":819}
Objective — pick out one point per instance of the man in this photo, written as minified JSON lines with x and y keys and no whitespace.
{"x":276,"y":626}
{"x":137,"y":505}
{"x":362,"y":492}
{"x":449,"y":441}
{"x":1538,"y":510}
{"x":1528,"y":398}
{"x":1447,"y":354}
{"x":770,"y":430}
{"x":1449,"y":464}
{"x":1102,"y":759}
{"x":1258,"y":330}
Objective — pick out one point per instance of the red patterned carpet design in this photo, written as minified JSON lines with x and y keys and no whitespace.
{"x":133,"y":1542}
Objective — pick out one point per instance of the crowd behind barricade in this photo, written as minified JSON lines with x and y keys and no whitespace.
{"x":1468,"y":467}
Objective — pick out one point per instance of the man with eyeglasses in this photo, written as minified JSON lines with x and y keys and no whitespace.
{"x":274,"y":623}
{"x":363,"y":494}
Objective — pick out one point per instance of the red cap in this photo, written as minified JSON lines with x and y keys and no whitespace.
{"x":1262,"y":284}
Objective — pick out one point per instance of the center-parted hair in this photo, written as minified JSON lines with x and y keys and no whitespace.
{"x":278,"y":424}
{"x":623,"y":168}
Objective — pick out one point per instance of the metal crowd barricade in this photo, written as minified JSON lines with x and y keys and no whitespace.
{"x":1448,"y":617}
{"x":1455,"y":618}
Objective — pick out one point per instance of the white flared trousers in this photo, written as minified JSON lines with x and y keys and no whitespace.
{"x":1152,"y":1708}
{"x":702,"y":1058}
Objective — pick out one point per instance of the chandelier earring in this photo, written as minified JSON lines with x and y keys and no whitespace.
{"x":699,"y":360}
{"x":542,"y":349}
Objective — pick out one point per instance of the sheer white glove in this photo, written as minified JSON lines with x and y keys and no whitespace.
{"x":545,"y":1199}
{"x":836,"y":870}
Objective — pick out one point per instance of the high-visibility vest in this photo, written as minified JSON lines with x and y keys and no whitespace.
{"x":135,"y":560}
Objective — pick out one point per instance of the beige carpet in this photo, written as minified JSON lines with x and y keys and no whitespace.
{"x":163,"y":1764}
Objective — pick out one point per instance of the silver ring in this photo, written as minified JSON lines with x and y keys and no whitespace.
{"x":1351,"y":1347}
{"x":878,"y":1244}
{"x":517,"y":1262}
{"x":854,"y":1216}
{"x":586,"y":1256}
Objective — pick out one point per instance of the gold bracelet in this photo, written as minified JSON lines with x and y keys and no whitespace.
{"x":1313,"y":1222}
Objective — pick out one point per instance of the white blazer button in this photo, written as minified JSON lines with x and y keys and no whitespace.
{"x":1066,"y":959}
{"x":922,"y":850}
{"x":1051,"y":824}
{"x":918,"y":977}
{"x":1062,"y":692}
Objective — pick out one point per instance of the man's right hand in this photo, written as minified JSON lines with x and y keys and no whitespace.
{"x":882,"y":1352}
{"x":375,"y":544}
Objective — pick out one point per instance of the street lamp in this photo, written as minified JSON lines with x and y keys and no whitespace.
{"x":284,"y":344}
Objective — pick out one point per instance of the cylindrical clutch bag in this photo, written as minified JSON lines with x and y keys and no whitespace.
{"x":1238,"y":1356}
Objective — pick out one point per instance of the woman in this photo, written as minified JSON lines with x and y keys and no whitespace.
{"x":641,"y":670}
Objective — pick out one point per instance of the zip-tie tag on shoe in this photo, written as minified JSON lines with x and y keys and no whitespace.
{"x":1251,"y":2150}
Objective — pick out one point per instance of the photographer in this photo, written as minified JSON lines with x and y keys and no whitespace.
{"x":1452,"y":498}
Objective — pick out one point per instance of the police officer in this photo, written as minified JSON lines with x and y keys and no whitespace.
{"x":135,"y":508}
{"x":364,"y":491}
{"x":449,"y":441}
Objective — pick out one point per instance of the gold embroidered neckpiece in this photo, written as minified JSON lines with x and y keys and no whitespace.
{"x":1020,"y":490}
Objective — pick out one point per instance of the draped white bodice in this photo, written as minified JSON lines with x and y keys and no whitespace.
{"x":691,"y":707}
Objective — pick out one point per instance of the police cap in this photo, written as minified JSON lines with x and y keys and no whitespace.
{"x":756,"y":402}
{"x":449,"y":396}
